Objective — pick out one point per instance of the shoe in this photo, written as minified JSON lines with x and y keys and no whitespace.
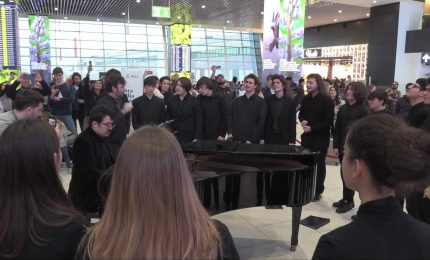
{"x":353,"y":217}
{"x":347,"y":206}
{"x":338,"y":203}
{"x":317,"y":197}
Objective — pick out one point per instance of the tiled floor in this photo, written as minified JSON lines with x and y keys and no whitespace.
{"x":261,"y":233}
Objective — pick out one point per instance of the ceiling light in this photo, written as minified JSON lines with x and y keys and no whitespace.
{"x":224,"y":28}
{"x":367,"y":14}
{"x":65,"y":18}
{"x":340,"y":11}
{"x":335,"y":20}
{"x":262,"y":12}
{"x":56,"y":8}
{"x":374,"y":1}
{"x":228,"y":21}
{"x":309,"y":17}
{"x":157,"y":23}
{"x":203,"y":6}
{"x":200,"y":26}
{"x":179,"y":17}
{"x":137,"y":1}
{"x":128,"y":21}
{"x":123,"y":13}
{"x":98,"y":19}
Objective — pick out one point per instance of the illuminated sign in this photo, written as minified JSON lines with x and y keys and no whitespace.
{"x":160,"y":11}
{"x":313,"y":53}
{"x":9,"y":42}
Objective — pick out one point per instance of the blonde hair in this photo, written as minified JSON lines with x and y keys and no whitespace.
{"x":152,"y":211}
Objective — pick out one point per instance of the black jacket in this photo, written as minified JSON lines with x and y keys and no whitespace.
{"x":402,"y":107}
{"x":247,"y":119}
{"x":287,"y":120}
{"x":345,"y":116}
{"x":91,"y":158}
{"x":214,"y":114}
{"x":148,"y":111}
{"x":62,"y":241}
{"x":418,"y":116}
{"x":167,"y":95}
{"x":381,"y":230}
{"x":120,"y":131}
{"x":319,"y":112}
{"x":188,"y":118}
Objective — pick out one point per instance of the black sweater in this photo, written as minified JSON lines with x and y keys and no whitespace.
{"x":287,"y":120}
{"x":120,"y":131}
{"x":148,"y":111}
{"x":418,"y":116}
{"x":345,"y":116}
{"x":381,"y":230}
{"x":319,"y":112}
{"x":247,"y":118}
{"x":214,"y":114}
{"x":91,"y":158}
{"x":188,"y":117}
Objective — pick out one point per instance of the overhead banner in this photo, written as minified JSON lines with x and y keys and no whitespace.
{"x":40,"y":48}
{"x":9,"y":39}
{"x":283,"y":37}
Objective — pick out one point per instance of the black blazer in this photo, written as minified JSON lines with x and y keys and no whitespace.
{"x":91,"y":158}
{"x":214,"y":114}
{"x":147,"y":111}
{"x":287,"y":121}
{"x":188,"y":118}
{"x":381,"y":230}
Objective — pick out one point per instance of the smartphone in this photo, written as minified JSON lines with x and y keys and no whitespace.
{"x":218,"y":67}
{"x":27,"y":76}
{"x":52,"y":121}
{"x":90,"y":63}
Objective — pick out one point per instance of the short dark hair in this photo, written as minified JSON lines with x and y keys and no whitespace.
{"x":407,"y":85}
{"x":27,"y":98}
{"x":320,"y":82}
{"x":269,"y":77}
{"x":404,"y":168}
{"x":186,"y":83}
{"x":254,"y":77}
{"x":57,"y":70}
{"x":99,"y":112}
{"x":422,"y":82}
{"x":280,"y":77}
{"x":359,"y":90}
{"x":205,"y":81}
{"x":150,"y":81}
{"x":164,"y":78}
{"x":113,"y":81}
{"x":378,"y":94}
{"x":76,"y":74}
{"x":113,"y":72}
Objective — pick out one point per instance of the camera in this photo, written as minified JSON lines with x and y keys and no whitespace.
{"x":218,"y":67}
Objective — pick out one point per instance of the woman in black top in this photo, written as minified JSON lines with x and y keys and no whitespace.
{"x":383,"y":157}
{"x":37,"y":218}
{"x":165,"y":88}
{"x":153,"y":210}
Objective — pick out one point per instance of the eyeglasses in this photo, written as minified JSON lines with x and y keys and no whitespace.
{"x":108,"y":125}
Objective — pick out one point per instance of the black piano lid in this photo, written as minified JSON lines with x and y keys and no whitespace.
{"x":233,"y":148}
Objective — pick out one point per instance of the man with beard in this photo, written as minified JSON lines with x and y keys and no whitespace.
{"x":222,"y":87}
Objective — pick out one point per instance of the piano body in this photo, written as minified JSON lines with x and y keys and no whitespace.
{"x":293,"y":172}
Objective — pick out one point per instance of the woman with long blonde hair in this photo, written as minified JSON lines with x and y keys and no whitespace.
{"x":153,"y":211}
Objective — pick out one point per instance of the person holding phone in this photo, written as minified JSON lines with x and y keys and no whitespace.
{"x":61,"y":100}
{"x":23,"y":82}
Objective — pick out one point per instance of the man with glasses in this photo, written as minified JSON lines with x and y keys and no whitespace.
{"x":148,"y":109}
{"x":393,"y":95}
{"x":92,"y":156}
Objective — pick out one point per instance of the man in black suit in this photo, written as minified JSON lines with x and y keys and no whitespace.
{"x":92,"y":156}
{"x":148,"y":109}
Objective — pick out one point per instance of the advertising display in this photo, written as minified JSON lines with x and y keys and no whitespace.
{"x":9,"y":40}
{"x":283,"y":37}
{"x":134,"y":86}
{"x":40,"y":49}
{"x":180,"y":49}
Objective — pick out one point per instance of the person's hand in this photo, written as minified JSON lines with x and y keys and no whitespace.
{"x":220,"y":138}
{"x":248,"y":142}
{"x":261,"y":141}
{"x":58,"y":128}
{"x":213,"y":68}
{"x":90,"y":68}
{"x":427,"y":193}
{"x":127,"y":108}
{"x":336,"y":152}
{"x":38,"y":77}
{"x":307,"y":129}
{"x":195,"y":140}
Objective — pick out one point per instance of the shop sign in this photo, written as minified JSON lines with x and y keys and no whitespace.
{"x":313,"y":53}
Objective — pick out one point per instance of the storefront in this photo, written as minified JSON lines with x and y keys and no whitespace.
{"x":337,"y":61}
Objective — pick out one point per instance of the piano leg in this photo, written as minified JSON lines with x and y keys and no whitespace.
{"x":297,"y":213}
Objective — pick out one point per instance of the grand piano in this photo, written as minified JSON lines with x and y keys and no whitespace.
{"x":292,"y":180}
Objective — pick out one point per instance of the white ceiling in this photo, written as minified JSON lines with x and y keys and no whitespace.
{"x":325,"y":12}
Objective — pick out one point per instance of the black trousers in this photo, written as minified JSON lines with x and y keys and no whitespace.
{"x":348,"y":194}
{"x":418,"y":207}
{"x":232,"y":192}
{"x":318,"y":144}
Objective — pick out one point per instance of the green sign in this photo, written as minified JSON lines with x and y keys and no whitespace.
{"x":161,"y":11}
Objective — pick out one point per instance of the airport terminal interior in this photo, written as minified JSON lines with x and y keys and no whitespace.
{"x":202,"y":129}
